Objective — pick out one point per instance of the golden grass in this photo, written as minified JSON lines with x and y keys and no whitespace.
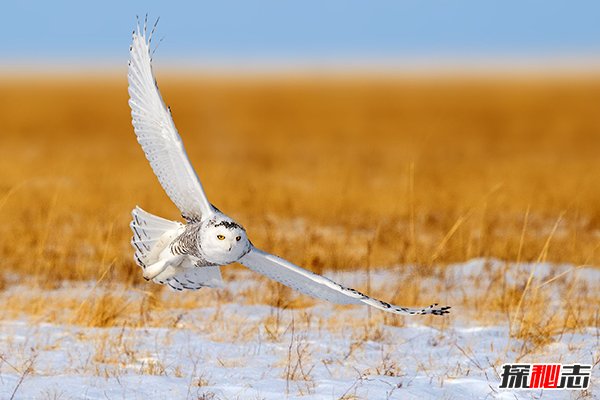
{"x":330,"y":174}
{"x":427,"y":171}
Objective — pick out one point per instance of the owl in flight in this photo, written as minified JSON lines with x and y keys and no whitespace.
{"x":189,"y":255}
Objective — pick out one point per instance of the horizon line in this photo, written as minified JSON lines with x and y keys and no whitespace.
{"x":484,"y":65}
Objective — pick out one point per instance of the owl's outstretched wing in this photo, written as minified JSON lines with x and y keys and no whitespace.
{"x":320,"y":287}
{"x":158,"y":136}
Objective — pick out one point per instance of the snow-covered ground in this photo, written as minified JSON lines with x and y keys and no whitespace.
{"x":236,"y":351}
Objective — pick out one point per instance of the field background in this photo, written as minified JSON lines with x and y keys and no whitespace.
{"x":331,"y":173}
{"x":478,"y":192}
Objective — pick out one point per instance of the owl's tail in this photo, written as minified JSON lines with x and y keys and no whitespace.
{"x":148,"y":229}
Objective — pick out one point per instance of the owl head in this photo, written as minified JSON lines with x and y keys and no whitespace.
{"x":223,"y":241}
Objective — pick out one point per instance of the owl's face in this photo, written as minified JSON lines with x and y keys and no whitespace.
{"x":223,"y":241}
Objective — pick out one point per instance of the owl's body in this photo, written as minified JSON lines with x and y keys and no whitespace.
{"x":186,"y":256}
{"x":189,"y":256}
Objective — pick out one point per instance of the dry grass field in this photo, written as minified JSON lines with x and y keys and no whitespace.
{"x":409,"y":174}
{"x":332,"y":173}
{"x":407,"y":171}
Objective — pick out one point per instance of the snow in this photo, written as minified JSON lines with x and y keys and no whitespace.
{"x":229,"y":352}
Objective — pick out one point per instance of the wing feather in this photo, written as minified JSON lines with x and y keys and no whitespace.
{"x":318,"y":286}
{"x":156,"y":133}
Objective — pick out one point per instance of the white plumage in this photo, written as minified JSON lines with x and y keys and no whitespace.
{"x":158,"y":136}
{"x":151,"y":236}
{"x":188,"y":256}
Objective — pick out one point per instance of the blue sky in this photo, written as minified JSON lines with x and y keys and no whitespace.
{"x":301,"y":30}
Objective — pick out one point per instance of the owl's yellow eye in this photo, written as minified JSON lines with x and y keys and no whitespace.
{"x":220,"y":237}
{"x":238,"y":238}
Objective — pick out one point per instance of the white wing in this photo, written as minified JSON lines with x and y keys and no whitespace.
{"x":158,"y":136}
{"x":320,"y":287}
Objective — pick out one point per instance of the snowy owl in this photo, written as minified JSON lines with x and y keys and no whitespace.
{"x":189,"y":255}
